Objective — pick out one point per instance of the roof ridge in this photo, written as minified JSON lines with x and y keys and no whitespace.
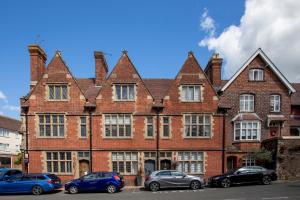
{"x":10,"y":118}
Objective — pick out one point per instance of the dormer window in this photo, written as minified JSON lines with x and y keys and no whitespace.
{"x":58,"y":92}
{"x":190,"y":93}
{"x":256,"y":75}
{"x":124,"y":92}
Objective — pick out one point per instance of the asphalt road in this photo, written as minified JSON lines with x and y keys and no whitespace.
{"x":290,"y":190}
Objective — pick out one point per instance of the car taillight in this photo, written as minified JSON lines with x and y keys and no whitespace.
{"x":116,"y":178}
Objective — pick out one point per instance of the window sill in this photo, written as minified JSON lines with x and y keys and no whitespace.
{"x":198,"y":137}
{"x":54,"y":137}
{"x":256,"y":81}
{"x":118,"y":138}
{"x":124,"y":100}
{"x":246,"y":141}
{"x":165,"y":138}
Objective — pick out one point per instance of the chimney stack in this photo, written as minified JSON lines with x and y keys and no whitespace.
{"x":100,"y":67}
{"x":37,"y":63}
{"x":213,"y":69}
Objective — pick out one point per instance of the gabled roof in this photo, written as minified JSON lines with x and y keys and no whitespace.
{"x":270,"y":64}
{"x":158,"y":87}
{"x":10,"y":124}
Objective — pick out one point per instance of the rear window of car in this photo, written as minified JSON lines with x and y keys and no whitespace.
{"x":41,"y":178}
{"x":106,"y":174}
{"x":53,"y":176}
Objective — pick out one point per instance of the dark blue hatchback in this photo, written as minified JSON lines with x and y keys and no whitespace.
{"x":97,"y":181}
{"x":30,"y":183}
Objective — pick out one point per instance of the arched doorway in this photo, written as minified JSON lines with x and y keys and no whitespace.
{"x":84,"y":167}
{"x":149,"y":167}
{"x":165,"y":164}
{"x":231,"y":162}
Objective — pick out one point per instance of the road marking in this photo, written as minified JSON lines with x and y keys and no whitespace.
{"x":266,"y":198}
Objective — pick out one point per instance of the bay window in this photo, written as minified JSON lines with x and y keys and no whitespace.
{"x":247,"y":130}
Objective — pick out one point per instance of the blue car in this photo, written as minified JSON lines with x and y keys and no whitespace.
{"x":97,"y":181}
{"x":6,"y":173}
{"x":30,"y":183}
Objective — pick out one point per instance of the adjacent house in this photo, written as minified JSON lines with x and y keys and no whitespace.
{"x":10,"y":141}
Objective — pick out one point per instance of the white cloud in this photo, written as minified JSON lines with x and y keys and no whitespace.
{"x":207,"y":23}
{"x":11,"y":108}
{"x":3,"y":97}
{"x":272,"y":25}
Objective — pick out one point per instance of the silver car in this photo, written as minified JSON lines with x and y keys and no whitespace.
{"x":172,"y":179}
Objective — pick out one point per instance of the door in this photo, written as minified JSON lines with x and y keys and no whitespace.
{"x":89,"y":182}
{"x":231,"y":162}
{"x":165,"y":164}
{"x":84,"y":167}
{"x":149,"y":167}
{"x":179,"y":179}
{"x":165,"y":179}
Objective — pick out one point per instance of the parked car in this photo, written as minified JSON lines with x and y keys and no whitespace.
{"x":172,"y":179}
{"x":251,"y":174}
{"x":5,"y":173}
{"x":97,"y":181}
{"x":31,"y":183}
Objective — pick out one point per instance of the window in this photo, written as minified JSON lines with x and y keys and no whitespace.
{"x":197,"y":125}
{"x":59,"y":162}
{"x":190,"y":162}
{"x":275,"y":103}
{"x":84,"y":154}
{"x":247,"y":130}
{"x":58,"y":92}
{"x":17,"y":135}
{"x":17,"y":147}
{"x":4,"y":132}
{"x":150,"y":127}
{"x":83,"y":127}
{"x":118,"y":125}
{"x":124,"y":92}
{"x":248,"y":160}
{"x":164,"y":173}
{"x":166,"y":127}
{"x":190,"y":93}
{"x":295,"y":131}
{"x":4,"y":147}
{"x":51,"y":125}
{"x":246,"y":103}
{"x":125,"y":162}
{"x":149,"y":154}
{"x":256,"y":75}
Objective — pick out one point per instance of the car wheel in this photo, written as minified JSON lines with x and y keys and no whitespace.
{"x":195,"y":185}
{"x":73,"y":189}
{"x":154,"y":186}
{"x":266,"y":180}
{"x":37,"y":190}
{"x":225,"y":183}
{"x":111,"y":189}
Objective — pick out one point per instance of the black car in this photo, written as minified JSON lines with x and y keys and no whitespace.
{"x":251,"y":174}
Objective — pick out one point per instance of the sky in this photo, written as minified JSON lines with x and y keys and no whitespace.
{"x":157,"y":35}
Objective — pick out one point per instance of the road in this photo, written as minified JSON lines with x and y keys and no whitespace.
{"x":289,"y":191}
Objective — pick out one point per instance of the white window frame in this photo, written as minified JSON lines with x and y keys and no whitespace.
{"x":191,"y":162}
{"x":4,"y":132}
{"x":256,"y":75}
{"x":58,"y":95}
{"x":66,"y":162}
{"x":129,"y":161}
{"x":123,"y":87}
{"x":4,"y":147}
{"x":199,"y":125}
{"x":248,"y":160}
{"x":61,"y":129}
{"x":166,"y":125}
{"x":121,"y":123}
{"x":247,"y":102}
{"x":189,"y":93}
{"x":275,"y":104}
{"x":246,"y":129}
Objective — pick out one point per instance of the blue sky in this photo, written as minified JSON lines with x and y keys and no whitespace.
{"x":157,"y":34}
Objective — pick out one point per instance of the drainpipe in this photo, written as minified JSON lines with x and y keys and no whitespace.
{"x":157,"y":139}
{"x":90,"y":108}
{"x":25,"y":109}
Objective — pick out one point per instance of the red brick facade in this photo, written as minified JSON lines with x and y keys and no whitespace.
{"x":60,"y":152}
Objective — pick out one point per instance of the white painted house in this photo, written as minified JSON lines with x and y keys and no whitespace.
{"x":10,"y":141}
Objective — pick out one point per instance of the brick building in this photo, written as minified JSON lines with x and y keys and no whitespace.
{"x":120,"y":121}
{"x":258,"y":99}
